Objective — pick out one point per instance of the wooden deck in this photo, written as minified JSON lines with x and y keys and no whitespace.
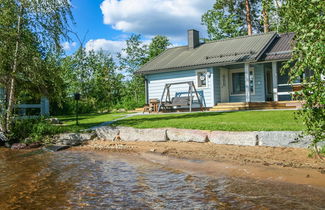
{"x":256,"y":105}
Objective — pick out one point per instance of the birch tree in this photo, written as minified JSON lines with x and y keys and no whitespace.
{"x":306,"y":18}
{"x":35,"y":25}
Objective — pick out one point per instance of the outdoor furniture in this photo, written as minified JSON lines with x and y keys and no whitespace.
{"x":152,"y":106}
{"x":154,"y":103}
{"x":179,"y":101}
{"x":146,"y":108}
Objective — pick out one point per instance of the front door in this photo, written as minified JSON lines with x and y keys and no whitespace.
{"x":224,"y":87}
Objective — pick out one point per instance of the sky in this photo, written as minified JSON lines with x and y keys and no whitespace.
{"x":106,"y":24}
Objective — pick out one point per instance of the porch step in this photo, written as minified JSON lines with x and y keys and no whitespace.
{"x":256,"y":106}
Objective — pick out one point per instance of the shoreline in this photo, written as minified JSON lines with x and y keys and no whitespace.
{"x":290,"y":165}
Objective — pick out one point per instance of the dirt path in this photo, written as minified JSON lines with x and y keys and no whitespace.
{"x":283,"y":164}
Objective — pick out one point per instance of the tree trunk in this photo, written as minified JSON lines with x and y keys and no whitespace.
{"x":248,"y":18}
{"x":266,"y":21}
{"x":11,"y":97}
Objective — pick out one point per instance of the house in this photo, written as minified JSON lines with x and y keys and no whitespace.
{"x":239,"y":70}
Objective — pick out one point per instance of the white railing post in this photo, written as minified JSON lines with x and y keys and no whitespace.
{"x":247,"y":83}
{"x":275,"y":81}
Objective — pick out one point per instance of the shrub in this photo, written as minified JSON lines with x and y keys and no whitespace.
{"x":33,"y":130}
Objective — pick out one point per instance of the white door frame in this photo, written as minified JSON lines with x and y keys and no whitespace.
{"x":224,"y":85}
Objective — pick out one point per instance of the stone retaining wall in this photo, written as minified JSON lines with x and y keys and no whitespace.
{"x":249,"y":138}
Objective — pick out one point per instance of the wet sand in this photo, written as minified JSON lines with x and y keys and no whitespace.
{"x":290,"y":165}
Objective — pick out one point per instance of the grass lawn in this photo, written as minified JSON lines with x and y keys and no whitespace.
{"x":225,"y":121}
{"x":87,"y":120}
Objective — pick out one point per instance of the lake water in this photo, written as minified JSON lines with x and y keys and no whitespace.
{"x":102,"y":180}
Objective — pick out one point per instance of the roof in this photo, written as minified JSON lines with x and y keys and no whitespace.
{"x":214,"y":53}
{"x":280,"y":48}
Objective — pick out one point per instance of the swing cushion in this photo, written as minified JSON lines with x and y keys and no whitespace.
{"x":180,"y":101}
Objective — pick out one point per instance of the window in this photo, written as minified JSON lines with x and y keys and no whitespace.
{"x":238,"y":82}
{"x":201,"y":78}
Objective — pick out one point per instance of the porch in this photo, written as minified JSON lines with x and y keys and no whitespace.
{"x":237,"y":106}
{"x":251,"y":85}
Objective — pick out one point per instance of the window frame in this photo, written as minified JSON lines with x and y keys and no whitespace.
{"x":251,"y":69}
{"x":197,"y":78}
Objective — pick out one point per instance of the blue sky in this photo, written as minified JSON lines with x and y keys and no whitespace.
{"x":106,"y":24}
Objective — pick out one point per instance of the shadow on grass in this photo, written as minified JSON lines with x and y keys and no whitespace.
{"x":154,"y":118}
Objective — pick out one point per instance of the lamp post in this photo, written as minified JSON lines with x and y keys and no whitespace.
{"x":77,"y":98}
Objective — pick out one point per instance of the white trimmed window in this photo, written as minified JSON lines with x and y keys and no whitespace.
{"x":237,"y":81}
{"x":201,"y":78}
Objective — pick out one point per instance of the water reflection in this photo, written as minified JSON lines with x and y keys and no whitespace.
{"x":102,"y":181}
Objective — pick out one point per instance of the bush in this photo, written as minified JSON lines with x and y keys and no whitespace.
{"x":33,"y":130}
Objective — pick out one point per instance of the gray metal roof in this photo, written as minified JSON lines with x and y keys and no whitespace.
{"x":214,"y":53}
{"x":280,"y":48}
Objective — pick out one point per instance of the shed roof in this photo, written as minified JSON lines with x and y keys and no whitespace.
{"x":214,"y":53}
{"x":281,"y":48}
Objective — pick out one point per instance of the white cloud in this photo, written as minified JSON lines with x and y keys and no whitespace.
{"x":110,"y":46}
{"x":67,"y":46}
{"x":152,"y":17}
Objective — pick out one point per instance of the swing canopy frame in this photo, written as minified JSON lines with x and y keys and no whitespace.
{"x":179,"y":101}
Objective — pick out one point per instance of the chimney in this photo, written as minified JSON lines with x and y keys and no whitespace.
{"x":193,"y":38}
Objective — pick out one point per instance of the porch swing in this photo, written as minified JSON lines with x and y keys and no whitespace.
{"x":179,"y":101}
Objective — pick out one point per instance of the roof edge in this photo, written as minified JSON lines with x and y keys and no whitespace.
{"x":266,"y":46}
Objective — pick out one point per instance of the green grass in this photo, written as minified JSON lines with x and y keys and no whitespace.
{"x":225,"y":121}
{"x":87,"y":120}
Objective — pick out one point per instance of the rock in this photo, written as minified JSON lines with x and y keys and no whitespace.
{"x":18,"y":146}
{"x":54,"y":120}
{"x":55,"y":148}
{"x":235,"y":138}
{"x":187,"y":135}
{"x":73,"y":139}
{"x":34,"y":145}
{"x":107,"y":132}
{"x":150,"y":134}
{"x":283,"y":139}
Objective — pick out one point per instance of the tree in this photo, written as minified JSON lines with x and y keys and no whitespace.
{"x":158,"y":45}
{"x":31,"y":28}
{"x":95,"y":76}
{"x":137,"y":54}
{"x":248,"y":17}
{"x":306,"y":18}
{"x":232,"y":18}
{"x":266,"y":8}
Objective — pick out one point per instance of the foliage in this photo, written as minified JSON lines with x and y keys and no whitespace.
{"x":307,"y":19}
{"x":94,"y":75}
{"x":228,"y":18}
{"x":30,"y":31}
{"x":227,"y":121}
{"x":131,"y":59}
{"x":33,"y":130}
{"x":39,"y":130}
{"x":158,"y":45}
